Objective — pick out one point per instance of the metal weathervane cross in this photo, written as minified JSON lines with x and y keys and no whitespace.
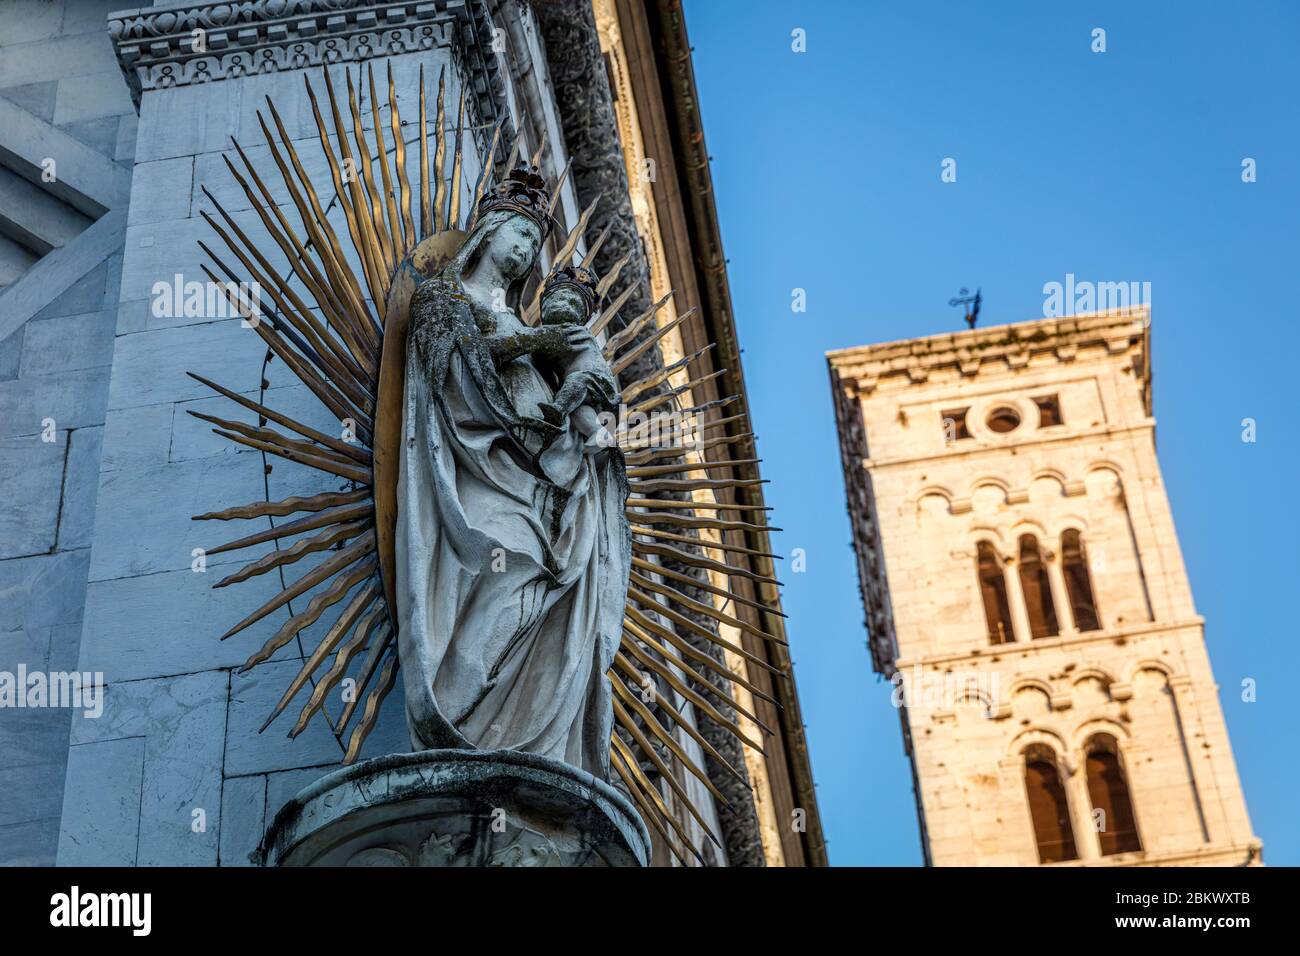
{"x":965,"y":298}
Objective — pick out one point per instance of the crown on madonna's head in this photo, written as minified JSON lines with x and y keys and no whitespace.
{"x":577,"y":277}
{"x":522,"y":191}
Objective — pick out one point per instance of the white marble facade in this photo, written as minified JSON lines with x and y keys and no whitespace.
{"x":174,"y":771}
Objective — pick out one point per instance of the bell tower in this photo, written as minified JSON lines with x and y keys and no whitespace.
{"x":1026,"y":596}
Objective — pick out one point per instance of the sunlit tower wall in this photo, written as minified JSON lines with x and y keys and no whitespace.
{"x":1026,"y":596}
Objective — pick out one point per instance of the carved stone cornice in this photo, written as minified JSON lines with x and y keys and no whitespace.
{"x":997,"y":348}
{"x":187,"y":43}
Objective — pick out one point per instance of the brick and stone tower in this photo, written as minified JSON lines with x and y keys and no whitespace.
{"x":1026,"y":595}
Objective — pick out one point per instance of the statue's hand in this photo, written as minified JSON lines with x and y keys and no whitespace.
{"x":548,"y":341}
{"x":508,"y":346}
{"x":578,"y":338}
{"x":558,"y":342}
{"x":552,"y":342}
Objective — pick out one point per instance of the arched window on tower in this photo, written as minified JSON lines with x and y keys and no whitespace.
{"x":993,"y":589}
{"x":1037,"y":588}
{"x":1078,"y":585}
{"x":1048,"y":807}
{"x":1112,"y":808}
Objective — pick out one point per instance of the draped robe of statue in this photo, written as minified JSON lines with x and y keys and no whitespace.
{"x":513,"y":550}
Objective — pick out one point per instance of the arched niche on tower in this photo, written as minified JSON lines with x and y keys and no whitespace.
{"x":1030,"y":699}
{"x":988,"y":496}
{"x":1160,"y":758}
{"x":1046,"y":488}
{"x":1114,"y":564}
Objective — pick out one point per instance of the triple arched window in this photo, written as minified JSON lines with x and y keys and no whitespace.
{"x":1074,"y":568}
{"x":1055,"y":595}
{"x":1110,"y":806}
{"x":1037,"y":589}
{"x":993,"y":589}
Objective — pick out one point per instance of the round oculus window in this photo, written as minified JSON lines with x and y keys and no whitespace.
{"x":1003,"y":419}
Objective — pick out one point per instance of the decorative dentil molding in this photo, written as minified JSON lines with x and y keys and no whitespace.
{"x":187,"y":43}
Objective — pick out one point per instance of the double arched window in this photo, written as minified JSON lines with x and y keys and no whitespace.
{"x":1110,"y":806}
{"x":1056,"y":595}
{"x":1049,"y":809}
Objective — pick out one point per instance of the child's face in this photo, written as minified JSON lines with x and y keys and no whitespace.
{"x":564,"y":305}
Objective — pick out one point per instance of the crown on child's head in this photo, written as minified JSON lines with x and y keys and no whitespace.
{"x":522,"y":191}
{"x":580,"y":278}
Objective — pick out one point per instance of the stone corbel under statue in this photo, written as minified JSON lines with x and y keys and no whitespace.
{"x":458,"y":808}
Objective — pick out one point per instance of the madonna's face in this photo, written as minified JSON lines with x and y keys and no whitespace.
{"x":515,"y":246}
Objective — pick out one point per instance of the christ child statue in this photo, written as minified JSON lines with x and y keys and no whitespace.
{"x":587,"y":386}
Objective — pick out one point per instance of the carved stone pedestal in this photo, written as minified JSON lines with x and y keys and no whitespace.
{"x":458,"y":808}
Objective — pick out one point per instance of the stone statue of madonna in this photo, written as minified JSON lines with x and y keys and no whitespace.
{"x":513,"y":549}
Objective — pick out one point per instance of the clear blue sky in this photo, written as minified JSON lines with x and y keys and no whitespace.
{"x":1118,"y":166}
